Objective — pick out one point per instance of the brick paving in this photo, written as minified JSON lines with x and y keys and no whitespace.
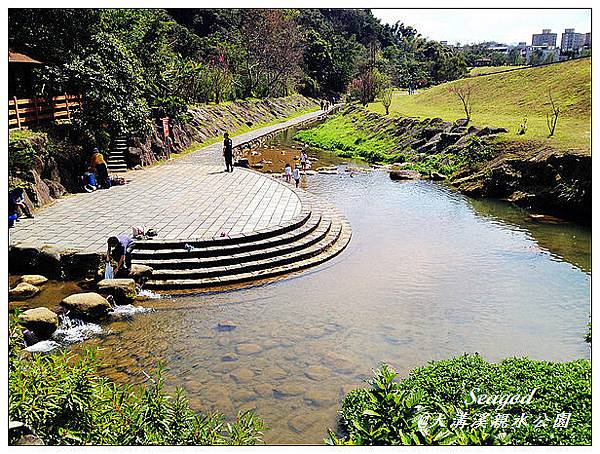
{"x":189,"y":197}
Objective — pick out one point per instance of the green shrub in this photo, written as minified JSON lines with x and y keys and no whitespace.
{"x":63,"y":399}
{"x":388,"y":413}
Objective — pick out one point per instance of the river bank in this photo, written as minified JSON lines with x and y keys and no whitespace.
{"x":481,"y":161}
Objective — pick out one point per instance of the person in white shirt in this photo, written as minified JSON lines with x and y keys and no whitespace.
{"x":288,"y":173}
{"x":303,"y":159}
{"x":297,"y":175}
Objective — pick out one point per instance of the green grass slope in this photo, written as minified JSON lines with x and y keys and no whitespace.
{"x":504,"y":99}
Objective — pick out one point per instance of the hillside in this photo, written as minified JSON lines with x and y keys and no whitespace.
{"x":504,"y":99}
{"x":485,"y":70}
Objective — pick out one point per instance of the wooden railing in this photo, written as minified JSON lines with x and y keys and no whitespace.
{"x":27,"y":112}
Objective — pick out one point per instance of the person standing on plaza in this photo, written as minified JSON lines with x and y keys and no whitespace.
{"x":168,"y":146}
{"x":228,"y":152}
{"x":288,"y":173}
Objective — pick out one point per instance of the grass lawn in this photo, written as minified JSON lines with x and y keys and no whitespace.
{"x":505,"y":99}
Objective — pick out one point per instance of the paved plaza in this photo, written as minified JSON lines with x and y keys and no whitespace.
{"x":189,"y":197}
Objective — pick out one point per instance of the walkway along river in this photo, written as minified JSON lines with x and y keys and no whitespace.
{"x":429,"y":274}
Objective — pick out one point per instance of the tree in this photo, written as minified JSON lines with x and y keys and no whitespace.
{"x":271,"y":41}
{"x":464,"y":92}
{"x":514,"y":57}
{"x":386,"y":98}
{"x":552,"y":116}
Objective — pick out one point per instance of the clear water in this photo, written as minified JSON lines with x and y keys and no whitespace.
{"x":429,"y":274}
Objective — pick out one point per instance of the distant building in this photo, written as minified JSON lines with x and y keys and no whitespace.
{"x":546,"y":38}
{"x":483,"y":62}
{"x":571,"y":41}
{"x":587,"y":42}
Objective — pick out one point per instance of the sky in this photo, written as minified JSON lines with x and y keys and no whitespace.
{"x":473,"y":26}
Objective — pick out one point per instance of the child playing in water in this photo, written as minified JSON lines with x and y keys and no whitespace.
{"x":297,"y":175}
{"x":303,"y":159}
{"x":288,"y":173}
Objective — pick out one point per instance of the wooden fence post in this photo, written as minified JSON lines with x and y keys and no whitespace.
{"x":17,"y":112}
{"x":37,"y":113}
{"x":68,"y":110}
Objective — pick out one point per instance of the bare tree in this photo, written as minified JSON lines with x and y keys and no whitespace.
{"x":464,"y":92}
{"x":386,"y":98}
{"x":273,"y":50}
{"x":552,"y":117}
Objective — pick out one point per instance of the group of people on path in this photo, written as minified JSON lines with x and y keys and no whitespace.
{"x":295,"y":173}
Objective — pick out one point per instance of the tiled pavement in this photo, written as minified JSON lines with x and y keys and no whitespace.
{"x":189,"y":197}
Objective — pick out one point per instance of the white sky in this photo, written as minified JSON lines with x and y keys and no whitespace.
{"x":472,"y":25}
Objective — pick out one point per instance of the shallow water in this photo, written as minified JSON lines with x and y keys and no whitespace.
{"x":428,"y":274}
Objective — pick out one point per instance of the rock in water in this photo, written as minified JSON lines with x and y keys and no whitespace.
{"x":87,"y":306}
{"x":405,"y":175}
{"x":436,"y":176}
{"x":226,"y":325}
{"x":34,"y":279}
{"x":248,"y":349}
{"x":23,"y":291}
{"x":42,"y":321}
{"x":140,"y":273}
{"x":122,"y":290}
{"x":242,"y":375}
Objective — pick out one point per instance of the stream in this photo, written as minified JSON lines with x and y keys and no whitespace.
{"x":429,"y":274}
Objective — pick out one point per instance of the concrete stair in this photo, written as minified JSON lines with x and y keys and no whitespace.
{"x":317,"y":234}
{"x":116,"y":159}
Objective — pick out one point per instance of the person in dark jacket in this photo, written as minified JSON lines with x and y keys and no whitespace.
{"x":228,"y":152}
{"x":17,"y":205}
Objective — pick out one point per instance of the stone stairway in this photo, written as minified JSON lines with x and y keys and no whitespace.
{"x":317,"y":234}
{"x":116,"y":159}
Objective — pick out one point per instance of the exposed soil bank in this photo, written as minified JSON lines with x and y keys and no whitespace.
{"x":479,"y":161}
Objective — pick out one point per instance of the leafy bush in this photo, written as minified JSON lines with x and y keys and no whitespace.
{"x":63,"y":399}
{"x":393,"y":412}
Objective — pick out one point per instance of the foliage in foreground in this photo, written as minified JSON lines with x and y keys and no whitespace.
{"x":407,"y":411}
{"x":63,"y":399}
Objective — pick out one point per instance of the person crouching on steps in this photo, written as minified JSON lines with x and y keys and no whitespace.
{"x":228,"y":152}
{"x":119,"y":249}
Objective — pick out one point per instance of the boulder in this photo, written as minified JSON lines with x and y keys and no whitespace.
{"x":49,"y":262}
{"x":488,"y":130}
{"x":436,"y":176}
{"x":87,"y":306}
{"x":34,"y":279}
{"x":42,"y":321}
{"x":23,"y":291}
{"x":461,"y":122}
{"x":404,"y":175}
{"x":140,"y":273}
{"x":80,"y":264}
{"x":22,"y":257}
{"x":122,"y":290}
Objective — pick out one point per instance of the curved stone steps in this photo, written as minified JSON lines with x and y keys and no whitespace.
{"x":323,"y":251}
{"x":219,"y":242}
{"x":269,"y":251}
{"x":179,"y":254}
